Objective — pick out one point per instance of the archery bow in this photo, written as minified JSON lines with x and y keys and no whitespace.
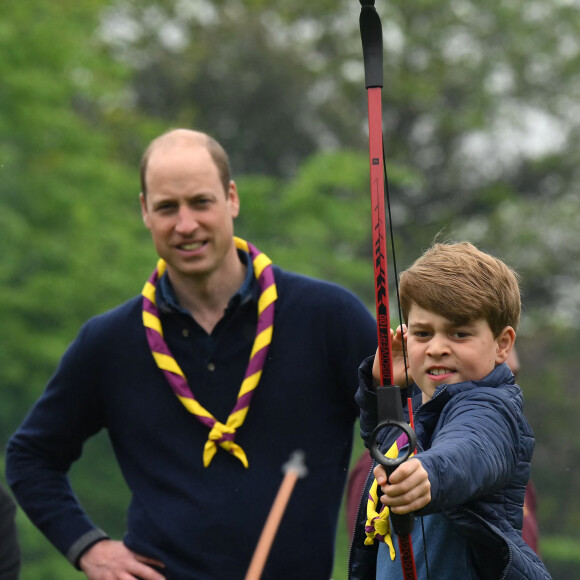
{"x":388,"y":396}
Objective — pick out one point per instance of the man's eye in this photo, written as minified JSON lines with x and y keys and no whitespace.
{"x":165,"y":206}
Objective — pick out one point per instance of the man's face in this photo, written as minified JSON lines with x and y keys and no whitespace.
{"x":189,"y":214}
{"x":442,"y":352}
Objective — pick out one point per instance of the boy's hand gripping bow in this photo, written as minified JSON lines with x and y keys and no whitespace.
{"x":390,"y":414}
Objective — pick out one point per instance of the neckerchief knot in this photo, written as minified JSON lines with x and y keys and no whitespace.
{"x":220,"y":434}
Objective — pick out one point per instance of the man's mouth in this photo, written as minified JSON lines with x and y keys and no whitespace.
{"x":191,"y":246}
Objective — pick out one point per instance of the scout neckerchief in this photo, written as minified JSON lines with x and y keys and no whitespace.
{"x":220,"y":434}
{"x":377,"y":526}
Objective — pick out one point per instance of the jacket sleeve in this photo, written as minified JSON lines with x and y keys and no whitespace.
{"x":366,"y":399}
{"x":475,"y":450}
{"x":50,"y":439}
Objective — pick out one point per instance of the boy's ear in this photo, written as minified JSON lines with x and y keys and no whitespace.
{"x":505,"y":343}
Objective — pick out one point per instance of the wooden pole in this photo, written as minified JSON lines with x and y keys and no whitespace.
{"x":294,"y":469}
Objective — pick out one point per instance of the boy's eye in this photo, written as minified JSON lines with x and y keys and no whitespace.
{"x":422,"y":333}
{"x":461,"y":334}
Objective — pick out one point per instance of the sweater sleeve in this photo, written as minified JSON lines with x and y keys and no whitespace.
{"x":346,"y":332}
{"x":51,"y":438}
{"x":359,"y":341}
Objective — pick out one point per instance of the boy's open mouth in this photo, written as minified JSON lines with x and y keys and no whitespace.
{"x":439,"y":371}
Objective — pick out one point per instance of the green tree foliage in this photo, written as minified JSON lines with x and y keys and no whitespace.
{"x":481,"y":141}
{"x":258,"y":76}
{"x":61,"y":178}
{"x":478,"y":99}
{"x":69,"y":223}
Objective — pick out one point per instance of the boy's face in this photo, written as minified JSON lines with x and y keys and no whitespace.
{"x":442,"y":352}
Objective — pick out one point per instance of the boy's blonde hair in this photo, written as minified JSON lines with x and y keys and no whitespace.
{"x":463,"y":284}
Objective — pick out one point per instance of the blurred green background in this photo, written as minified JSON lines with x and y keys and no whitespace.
{"x":480,"y":115}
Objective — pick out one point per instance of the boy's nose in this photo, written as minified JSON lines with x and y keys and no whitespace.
{"x":438,"y":346}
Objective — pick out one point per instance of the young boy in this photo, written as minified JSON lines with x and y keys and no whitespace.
{"x":474,"y":445}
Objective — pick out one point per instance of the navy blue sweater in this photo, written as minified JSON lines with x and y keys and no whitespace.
{"x":204,"y":523}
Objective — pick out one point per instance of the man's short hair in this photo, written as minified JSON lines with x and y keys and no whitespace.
{"x":463,"y":284}
{"x":186,"y":136}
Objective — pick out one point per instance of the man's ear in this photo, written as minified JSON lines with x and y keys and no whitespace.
{"x":505,"y":342}
{"x":233,"y":199}
{"x":144,"y":212}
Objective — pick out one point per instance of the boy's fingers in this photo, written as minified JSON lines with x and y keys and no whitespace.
{"x":410,"y":501}
{"x":380,"y":474}
{"x":404,"y":471}
{"x":407,"y":484}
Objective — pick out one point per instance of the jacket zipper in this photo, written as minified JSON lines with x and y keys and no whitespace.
{"x":357,"y":517}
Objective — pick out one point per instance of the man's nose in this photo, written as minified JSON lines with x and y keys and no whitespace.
{"x":186,"y":221}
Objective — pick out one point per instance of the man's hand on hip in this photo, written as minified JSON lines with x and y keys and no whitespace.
{"x":112,"y":560}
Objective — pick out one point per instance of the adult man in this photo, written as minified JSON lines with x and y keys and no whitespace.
{"x":203,"y":468}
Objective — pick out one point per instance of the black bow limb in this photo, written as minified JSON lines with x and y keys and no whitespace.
{"x":371,"y":32}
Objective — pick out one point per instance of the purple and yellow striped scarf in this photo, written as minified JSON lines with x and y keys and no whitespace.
{"x":220,"y":434}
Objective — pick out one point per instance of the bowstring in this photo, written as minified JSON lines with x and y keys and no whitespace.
{"x":400,"y":314}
